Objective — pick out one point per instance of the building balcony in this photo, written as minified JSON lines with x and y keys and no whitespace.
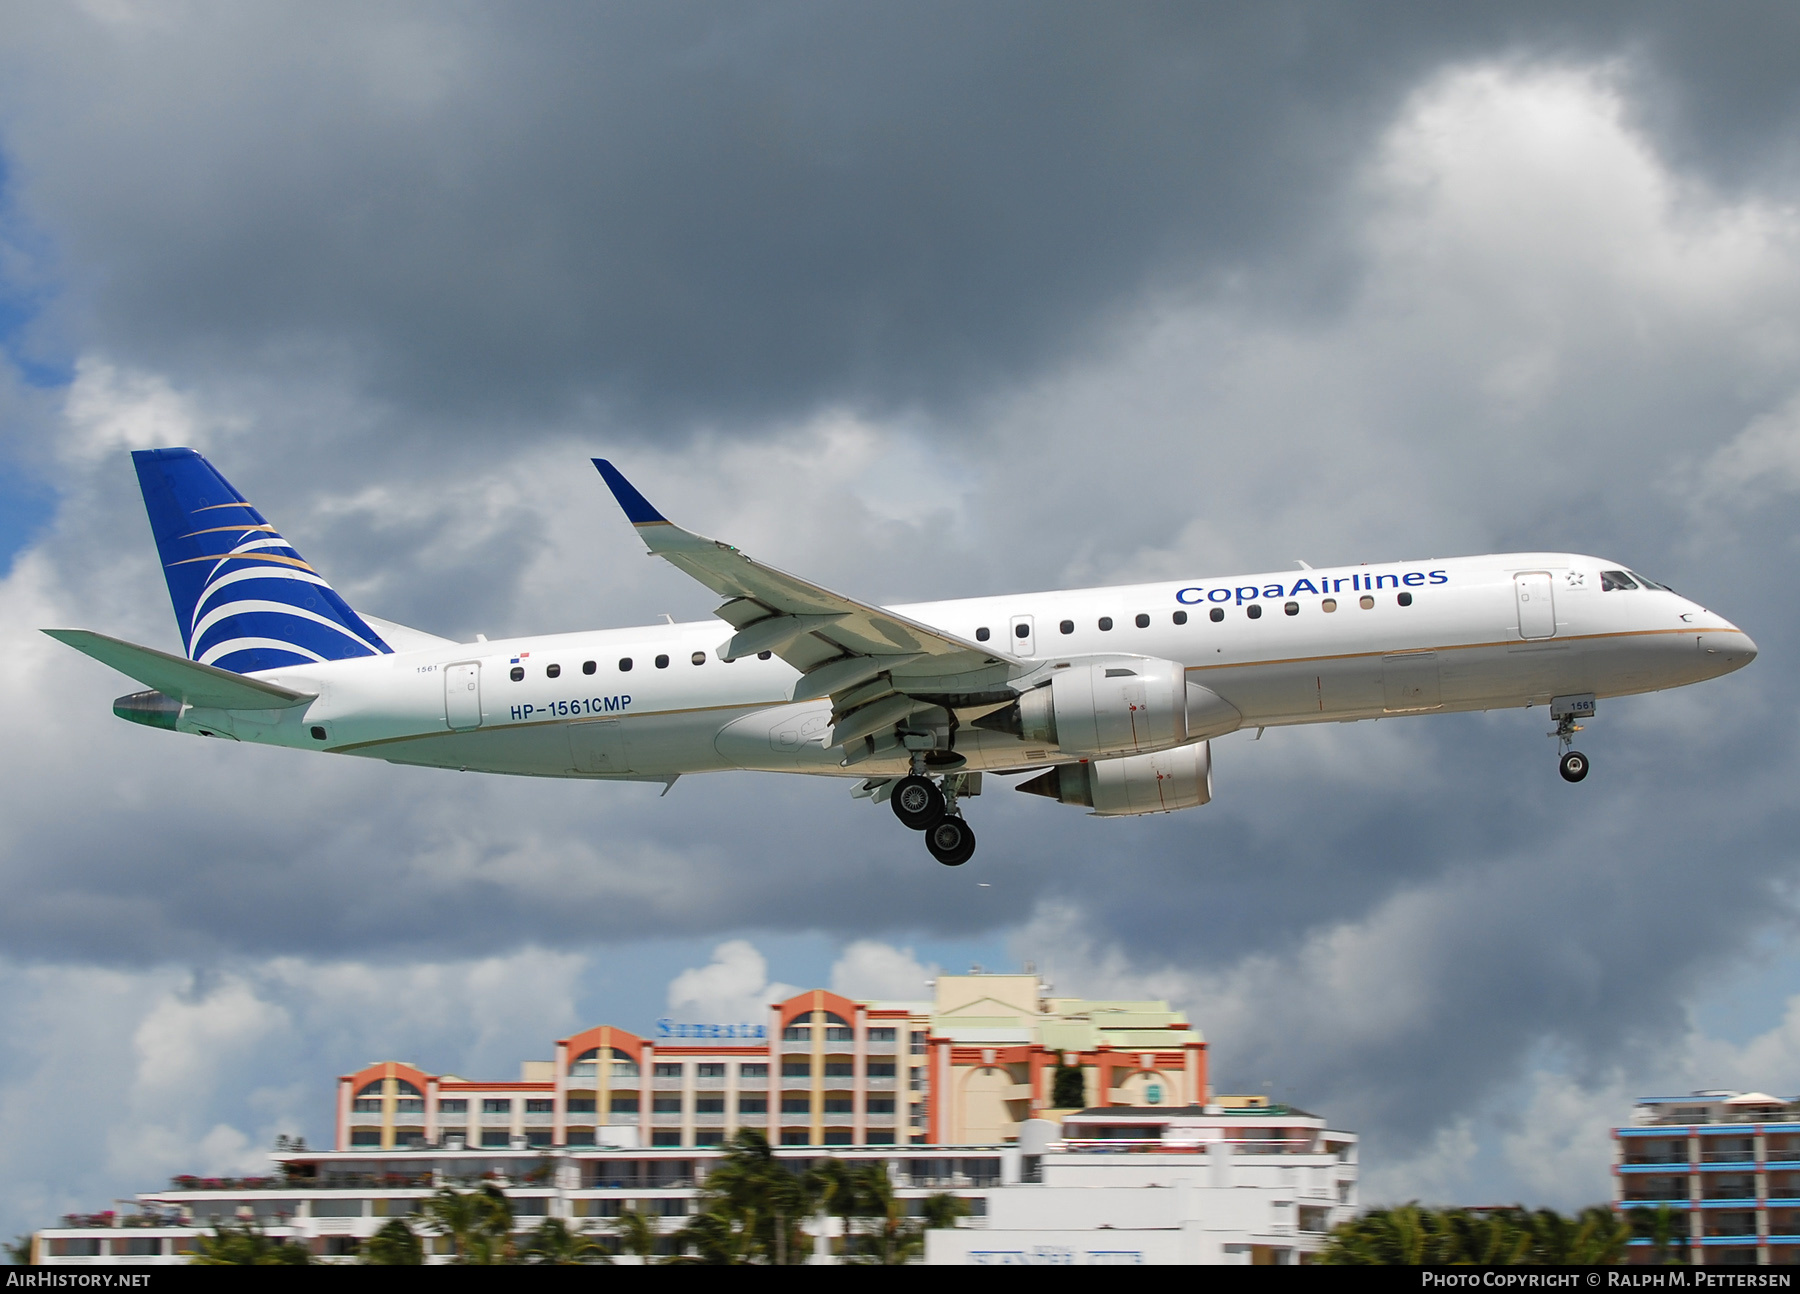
{"x":709,"y":1084}
{"x":667,"y":1119}
{"x":709,"y":1120}
{"x":1728,"y":1156}
{"x":747,"y":1084}
{"x":1657,"y":1161}
{"x":539,"y":1118}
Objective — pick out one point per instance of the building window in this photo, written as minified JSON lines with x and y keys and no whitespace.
{"x":881,"y":1105}
{"x":496,"y":1140}
{"x":840,"y":1069}
{"x":796,"y":1105}
{"x":753,"y":1105}
{"x":881,"y":1069}
{"x":796,"y":1069}
{"x":713,"y":1138}
{"x":796,"y":1033}
{"x":753,"y":1071}
{"x":456,"y":1106}
{"x":918,"y":1043}
{"x":365,"y":1136}
{"x":366,"y":1105}
{"x":497,"y":1105}
{"x":537,"y":1137}
{"x":665,"y":1105}
{"x":535,"y":1106}
{"x":837,"y":1105}
{"x":409,"y":1105}
{"x":883,"y":1137}
{"x":796,"y":1137}
{"x":840,"y":1033}
{"x":709,"y":1105}
{"x":581,"y":1136}
{"x":709,"y":1071}
{"x":881,"y":1035}
{"x":581,"y":1105}
{"x":624,"y":1105}
{"x":668,"y":1071}
{"x":665,"y":1137}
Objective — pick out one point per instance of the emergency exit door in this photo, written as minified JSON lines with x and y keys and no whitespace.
{"x":1023,"y":638}
{"x":462,"y":695}
{"x":1537,"y":613}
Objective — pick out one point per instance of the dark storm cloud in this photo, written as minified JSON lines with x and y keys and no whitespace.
{"x":730,"y":212}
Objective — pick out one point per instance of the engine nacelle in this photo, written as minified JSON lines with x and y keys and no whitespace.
{"x":1117,"y":705}
{"x":1159,"y":782}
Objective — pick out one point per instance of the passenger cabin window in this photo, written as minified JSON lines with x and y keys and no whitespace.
{"x":1291,"y":609}
{"x":1254,"y":611}
{"x":662,"y":662}
{"x":699,"y":658}
{"x":1329,"y":604}
{"x":553,"y":671}
{"x":1405,"y":599}
{"x":624,"y":664}
{"x":764,"y":655}
{"x":1021,"y":631}
{"x":981,"y":634}
{"x":1611,"y":580}
{"x":518,"y":674}
{"x":1067,"y":627}
{"x":1105,"y":623}
{"x":1366,"y":602}
{"x":589,"y":666}
{"x":1180,"y":617}
{"x":1142,"y":621}
{"x":1216,"y":614}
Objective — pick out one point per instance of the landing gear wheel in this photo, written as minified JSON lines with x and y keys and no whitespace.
{"x":917,"y":802}
{"x":1573,"y":766}
{"x":950,"y":841}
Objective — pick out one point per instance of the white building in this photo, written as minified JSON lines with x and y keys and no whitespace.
{"x":1252,"y":1183}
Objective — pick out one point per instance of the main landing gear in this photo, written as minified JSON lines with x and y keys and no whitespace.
{"x":922,"y":805}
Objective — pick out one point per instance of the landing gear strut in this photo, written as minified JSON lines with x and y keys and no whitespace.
{"x":1565,"y":710}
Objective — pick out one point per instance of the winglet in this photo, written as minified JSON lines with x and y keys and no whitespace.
{"x":637,"y":508}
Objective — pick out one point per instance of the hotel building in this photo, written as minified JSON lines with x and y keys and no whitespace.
{"x":1729,"y":1162}
{"x":966,"y":1068}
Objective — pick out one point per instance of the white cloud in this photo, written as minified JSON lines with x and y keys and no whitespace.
{"x":733,"y":988}
{"x":870,"y":969}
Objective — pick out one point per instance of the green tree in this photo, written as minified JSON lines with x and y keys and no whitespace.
{"x":18,"y":1252}
{"x":479,"y":1224}
{"x":839,"y":1189}
{"x":555,"y":1245}
{"x":1666,"y":1229}
{"x":895,"y":1237}
{"x":636,"y":1231}
{"x":1067,"y":1089}
{"x":395,"y":1245}
{"x":754,"y":1190}
{"x":246,"y":1246}
{"x":1411,"y":1236}
{"x":943,"y":1209}
{"x":720,"y":1235}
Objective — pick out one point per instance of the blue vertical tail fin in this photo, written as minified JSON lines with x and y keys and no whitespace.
{"x":244,"y":598}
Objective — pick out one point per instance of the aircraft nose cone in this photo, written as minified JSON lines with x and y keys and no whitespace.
{"x":1727,"y":648}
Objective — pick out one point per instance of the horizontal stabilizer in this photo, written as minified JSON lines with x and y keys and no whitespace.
{"x":175,"y":676}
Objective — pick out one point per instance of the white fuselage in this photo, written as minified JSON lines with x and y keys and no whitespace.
{"x":1479,"y":635}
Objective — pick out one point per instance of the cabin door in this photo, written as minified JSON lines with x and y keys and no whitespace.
{"x":1537,"y":613}
{"x":462,"y":695}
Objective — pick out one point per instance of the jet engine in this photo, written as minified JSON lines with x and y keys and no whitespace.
{"x":1116,"y":705}
{"x":1159,"y":782}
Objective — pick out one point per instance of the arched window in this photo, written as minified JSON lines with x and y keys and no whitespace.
{"x":370,"y":1089}
{"x":405,"y":1088}
{"x":837,"y":1029}
{"x":587,"y":1063}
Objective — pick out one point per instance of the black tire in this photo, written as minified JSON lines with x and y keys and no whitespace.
{"x":917,"y":802}
{"x":1573,"y":766}
{"x":950,"y":841}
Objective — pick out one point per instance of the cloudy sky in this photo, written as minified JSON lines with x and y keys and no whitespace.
{"x":922,"y":300}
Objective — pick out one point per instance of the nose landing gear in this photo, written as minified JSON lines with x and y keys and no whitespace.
{"x":1565,"y":710}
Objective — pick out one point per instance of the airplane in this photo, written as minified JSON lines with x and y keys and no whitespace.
{"x":1110,"y":697}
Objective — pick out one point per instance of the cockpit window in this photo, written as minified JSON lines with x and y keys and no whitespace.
{"x":1651,"y":584}
{"x":1610,"y":580}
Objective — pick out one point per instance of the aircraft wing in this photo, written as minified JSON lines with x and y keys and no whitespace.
{"x":876,"y":666}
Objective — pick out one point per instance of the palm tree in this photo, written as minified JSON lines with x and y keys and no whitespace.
{"x":751,"y":1181}
{"x":554,"y":1244}
{"x":1411,"y":1236}
{"x":246,"y":1246}
{"x":838,"y":1188}
{"x":395,"y":1245}
{"x":479,"y":1223}
{"x":943,"y":1209}
{"x":722,"y":1235}
{"x":1666,"y":1229}
{"x":897,"y":1238}
{"x":636,"y":1231}
{"x":18,"y":1252}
